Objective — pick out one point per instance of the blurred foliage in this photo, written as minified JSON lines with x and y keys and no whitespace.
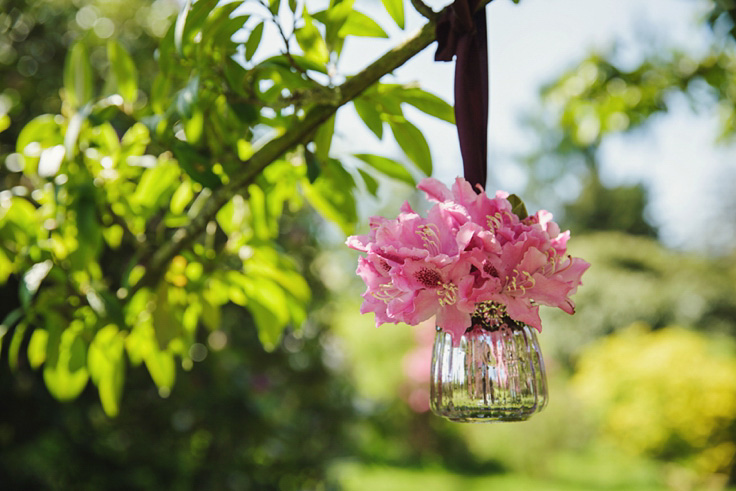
{"x":636,"y":279}
{"x":242,"y":419}
{"x":35,"y":35}
{"x":620,"y":208}
{"x":669,"y":393}
{"x":132,"y":216}
{"x":603,"y":95}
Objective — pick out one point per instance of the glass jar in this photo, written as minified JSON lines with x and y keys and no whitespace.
{"x":489,"y":374}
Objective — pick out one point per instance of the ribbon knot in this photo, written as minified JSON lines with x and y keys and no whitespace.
{"x":461,"y":32}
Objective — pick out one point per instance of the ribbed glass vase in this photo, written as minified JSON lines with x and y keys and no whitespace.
{"x":489,"y":374}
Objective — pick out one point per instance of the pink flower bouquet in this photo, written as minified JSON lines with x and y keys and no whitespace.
{"x":471,"y":261}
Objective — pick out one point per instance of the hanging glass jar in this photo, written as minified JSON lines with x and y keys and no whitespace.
{"x":492,"y":373}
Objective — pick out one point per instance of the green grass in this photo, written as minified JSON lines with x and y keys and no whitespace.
{"x":360,"y":477}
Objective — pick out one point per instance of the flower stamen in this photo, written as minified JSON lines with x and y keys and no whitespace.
{"x":447,"y":294}
{"x":430,"y":236}
{"x":385,"y":293}
{"x":489,"y":314}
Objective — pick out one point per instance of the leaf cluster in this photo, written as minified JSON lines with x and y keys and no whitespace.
{"x":132,"y":226}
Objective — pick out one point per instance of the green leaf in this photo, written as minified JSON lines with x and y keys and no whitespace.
{"x":413,"y":143}
{"x":387,"y":166}
{"x":4,"y":122}
{"x":123,"y":71}
{"x":37,"y":347}
{"x":313,"y":168}
{"x":359,"y":24}
{"x":15,"y":343}
{"x":259,"y":214}
{"x":273,"y":6}
{"x":254,"y":40}
{"x":194,"y":126}
{"x":155,"y":185}
{"x":88,"y":225}
{"x":518,"y":207}
{"x":165,"y":325}
{"x":112,"y":380}
{"x":372,"y":118}
{"x":310,"y":40}
{"x":161,"y":367}
{"x":219,"y":28}
{"x":333,"y":19}
{"x":9,"y":321}
{"x":187,"y":98}
{"x":67,"y":377}
{"x":429,"y":103}
{"x":181,"y":22}
{"x":196,"y":165}
{"x":189,"y":22}
{"x":371,"y":184}
{"x":323,"y":139}
{"x":78,"y":77}
{"x":332,"y":196}
{"x":268,"y":305}
{"x":43,"y":129}
{"x":395,"y":9}
{"x":181,"y":198}
{"x":304,"y":63}
{"x":32,"y":281}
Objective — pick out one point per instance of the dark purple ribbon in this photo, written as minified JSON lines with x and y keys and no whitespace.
{"x":461,"y":32}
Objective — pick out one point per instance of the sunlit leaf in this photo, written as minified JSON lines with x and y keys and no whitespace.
{"x":370,"y":116}
{"x":123,"y":70}
{"x":387,"y":166}
{"x":68,"y":376}
{"x":189,"y":22}
{"x":259,"y":215}
{"x":359,"y":24}
{"x":161,"y":367}
{"x":15,"y":342}
{"x":4,"y":122}
{"x":333,"y":18}
{"x":37,"y":347}
{"x":371,"y":185}
{"x":194,"y":126}
{"x":155,"y":185}
{"x":429,"y":103}
{"x":78,"y":78}
{"x":310,"y":40}
{"x":332,"y":196}
{"x":413,"y":143}
{"x":395,"y":9}
{"x":106,"y":365}
{"x":323,"y":139}
{"x":267,"y":304}
{"x":181,"y":198}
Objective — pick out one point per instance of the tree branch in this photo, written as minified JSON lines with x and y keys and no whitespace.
{"x":424,"y":9}
{"x":155,"y":263}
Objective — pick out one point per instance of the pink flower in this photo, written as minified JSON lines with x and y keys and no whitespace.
{"x":470,"y":254}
